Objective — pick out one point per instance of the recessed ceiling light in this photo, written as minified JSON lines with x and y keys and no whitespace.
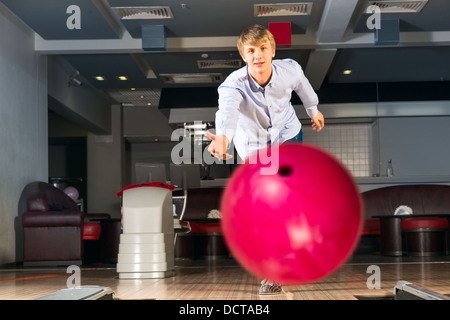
{"x":149,"y":103}
{"x":123,"y":78}
{"x":142,"y":97}
{"x":347,"y":72}
{"x":133,"y":89}
{"x":100,"y":78}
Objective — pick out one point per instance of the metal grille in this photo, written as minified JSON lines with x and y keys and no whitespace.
{"x":399,"y":6}
{"x":282,"y":9}
{"x":219,"y":64}
{"x":135,"y":13}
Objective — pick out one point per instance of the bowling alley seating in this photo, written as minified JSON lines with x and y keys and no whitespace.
{"x":54,"y":229}
{"x":425,"y":236}
{"x":426,"y":201}
{"x":206,"y":240}
{"x":202,"y":238}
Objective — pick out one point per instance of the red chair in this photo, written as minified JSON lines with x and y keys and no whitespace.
{"x":91,"y":231}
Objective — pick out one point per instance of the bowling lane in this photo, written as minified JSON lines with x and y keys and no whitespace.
{"x":226,"y":280}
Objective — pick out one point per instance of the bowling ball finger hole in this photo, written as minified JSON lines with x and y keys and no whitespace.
{"x":285,"y":171}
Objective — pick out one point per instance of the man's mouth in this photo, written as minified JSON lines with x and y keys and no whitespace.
{"x":258,"y":64}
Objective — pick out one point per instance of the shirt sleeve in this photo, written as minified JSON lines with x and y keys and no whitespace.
{"x":305,"y":92}
{"x":227,"y":116}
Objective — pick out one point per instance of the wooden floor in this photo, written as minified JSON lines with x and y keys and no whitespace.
{"x":224,"y":279}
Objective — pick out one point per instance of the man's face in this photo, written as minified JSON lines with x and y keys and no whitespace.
{"x":258,"y":57}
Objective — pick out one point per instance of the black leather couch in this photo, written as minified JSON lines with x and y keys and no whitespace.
{"x":53,"y":227}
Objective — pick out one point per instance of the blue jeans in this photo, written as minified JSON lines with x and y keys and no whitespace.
{"x":297,"y":138}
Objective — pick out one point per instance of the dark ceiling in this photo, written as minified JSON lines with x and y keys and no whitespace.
{"x":331,"y":37}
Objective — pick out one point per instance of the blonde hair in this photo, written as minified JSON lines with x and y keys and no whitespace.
{"x":254,"y":35}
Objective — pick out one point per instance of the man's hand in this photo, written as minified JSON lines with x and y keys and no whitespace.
{"x":218,"y":146}
{"x":318,"y":122}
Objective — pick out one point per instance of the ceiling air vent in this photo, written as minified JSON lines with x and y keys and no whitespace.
{"x":282,"y":9}
{"x":136,"y":13}
{"x":406,"y":6}
{"x":187,"y":78}
{"x":219,"y":64}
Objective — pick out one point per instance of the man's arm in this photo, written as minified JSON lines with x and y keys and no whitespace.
{"x":309,"y":99}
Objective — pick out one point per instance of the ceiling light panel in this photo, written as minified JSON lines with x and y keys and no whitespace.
{"x":133,"y":97}
{"x":137,"y":13}
{"x":282,"y":9}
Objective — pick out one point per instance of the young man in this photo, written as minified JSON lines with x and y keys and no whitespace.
{"x":254,"y":104}
{"x":254,"y":101}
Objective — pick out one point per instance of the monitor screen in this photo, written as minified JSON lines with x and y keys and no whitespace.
{"x":185,"y":176}
{"x":150,"y":172}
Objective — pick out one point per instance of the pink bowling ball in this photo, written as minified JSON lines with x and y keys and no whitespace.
{"x":72,"y":192}
{"x":293,"y":216}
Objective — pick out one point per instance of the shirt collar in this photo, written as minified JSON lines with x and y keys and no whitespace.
{"x":255,"y":86}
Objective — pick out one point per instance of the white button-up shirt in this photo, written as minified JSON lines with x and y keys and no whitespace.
{"x":256,"y":116}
